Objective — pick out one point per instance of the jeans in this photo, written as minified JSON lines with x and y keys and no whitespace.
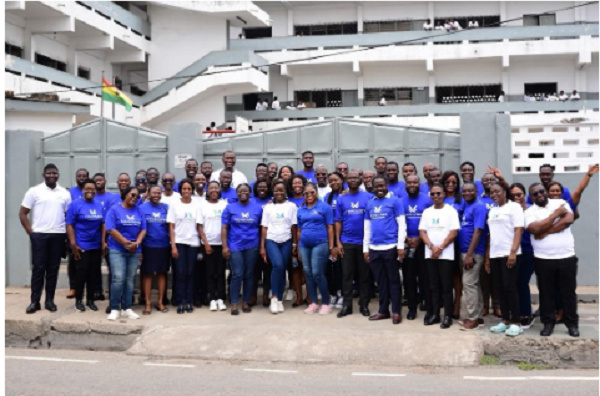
{"x":242,"y":268}
{"x":558,"y":276}
{"x":279,"y":254}
{"x":215,"y":273}
{"x":440,"y":274}
{"x":184,"y":274}
{"x":354,"y":266}
{"x":471,"y":287}
{"x":506,"y":280}
{"x":314,"y":260}
{"x":386,"y":268}
{"x":87,"y":268}
{"x":123,"y":266}
{"x":46,"y":251}
{"x":525,"y":272}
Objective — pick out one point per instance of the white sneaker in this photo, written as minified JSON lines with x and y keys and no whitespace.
{"x":213,"y":305}
{"x":280,"y":306}
{"x":123,"y":312}
{"x":340,"y":303}
{"x":273,"y":306}
{"x":131,"y":315}
{"x":333,"y":301}
{"x":221,"y":305}
{"x":114,"y":314}
{"x":289,"y":295}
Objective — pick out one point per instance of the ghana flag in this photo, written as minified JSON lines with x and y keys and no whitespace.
{"x":110,"y":93}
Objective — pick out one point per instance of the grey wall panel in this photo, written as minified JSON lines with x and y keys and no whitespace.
{"x":325,"y":160}
{"x":388,"y":138}
{"x":116,"y":164}
{"x":353,"y":137}
{"x":87,"y":139}
{"x":157,"y":161}
{"x":361,"y":161}
{"x":422,"y":141}
{"x":282,"y":142}
{"x":450,"y":161}
{"x":451,"y":141}
{"x":249,"y":144}
{"x":63,"y":163}
{"x":93,"y":164}
{"x":317,"y":138}
{"x":247,"y":166}
{"x":152,"y":141}
{"x":420,"y":160}
{"x":281,"y":161}
{"x":217,"y":147}
{"x":120,"y":138}
{"x":57,"y":144}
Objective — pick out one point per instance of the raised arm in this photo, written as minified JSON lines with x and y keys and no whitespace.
{"x":576,"y":195}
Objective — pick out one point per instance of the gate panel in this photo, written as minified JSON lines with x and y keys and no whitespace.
{"x":388,"y":138}
{"x":353,"y":137}
{"x":317,"y":138}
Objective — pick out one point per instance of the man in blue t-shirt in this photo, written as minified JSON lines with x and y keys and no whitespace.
{"x":308,"y":160}
{"x":413,"y":268}
{"x":227,"y":192}
{"x":546,"y":177}
{"x":261,"y":173}
{"x":395,"y":186}
{"x":384,"y":247}
{"x":484,"y":197}
{"x":76,"y":192}
{"x":472,"y":237}
{"x":349,"y":226}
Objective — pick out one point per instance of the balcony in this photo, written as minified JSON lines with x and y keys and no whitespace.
{"x":119,"y":15}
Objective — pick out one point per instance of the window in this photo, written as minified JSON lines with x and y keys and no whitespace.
{"x":13,"y":50}
{"x":327,"y":98}
{"x":254,"y":33}
{"x":83,"y":72}
{"x":137,"y":91}
{"x":393,"y":96}
{"x":539,"y":20}
{"x":393,"y":26}
{"x":47,"y":61}
{"x":468,"y":93}
{"x":329,"y":29}
{"x":539,"y":90}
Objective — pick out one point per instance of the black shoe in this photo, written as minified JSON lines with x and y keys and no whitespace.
{"x":422,"y":307}
{"x":99,"y":297}
{"x":246,"y":309}
{"x":235,"y":312}
{"x":433,"y":319}
{"x":547,"y":330}
{"x":345,"y":311}
{"x":447,"y":322}
{"x":426,"y":319}
{"x":50,"y":306}
{"x":455,"y":317}
{"x":573,"y":331}
{"x":355,"y":293}
{"x":91,"y":305}
{"x":79,"y":306}
{"x":33,"y":307}
{"x":405,"y":303}
{"x":536,"y":313}
{"x":180,"y":309}
{"x":189,"y":308}
{"x":197,"y":303}
{"x":364,"y":311}
{"x":412,"y":314}
{"x":107,"y":310}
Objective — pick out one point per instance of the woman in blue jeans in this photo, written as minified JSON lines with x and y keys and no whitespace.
{"x":278,"y":240}
{"x":185,"y":242}
{"x":315,"y":237}
{"x":126,"y":227}
{"x":240,"y":234}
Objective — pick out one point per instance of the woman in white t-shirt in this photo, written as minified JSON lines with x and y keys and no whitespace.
{"x":438,"y":228}
{"x":209,"y":221}
{"x":278,"y":240}
{"x":182,"y":218}
{"x":506,"y":222}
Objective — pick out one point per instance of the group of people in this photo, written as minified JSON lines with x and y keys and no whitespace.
{"x":448,"y":25}
{"x":552,"y":97}
{"x":338,"y":232}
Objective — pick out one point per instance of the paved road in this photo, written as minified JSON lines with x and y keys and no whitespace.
{"x":62,"y":372}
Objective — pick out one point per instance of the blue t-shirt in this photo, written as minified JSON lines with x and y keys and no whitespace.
{"x":261,"y":201}
{"x":244,"y":225}
{"x":526,"y":246}
{"x":76,"y":193}
{"x":296,"y":201}
{"x":424,"y":188}
{"x":350,"y":210}
{"x":480,"y":189}
{"x":157,"y":230}
{"x":413,"y":210}
{"x":230,"y":195}
{"x":383,"y":212}
{"x":398,"y":189}
{"x":474,"y":216}
{"x":105,"y":199}
{"x":334,"y":200}
{"x":566,"y":195}
{"x":129,"y":222}
{"x":86,"y":218}
{"x":487,"y":201}
{"x":460,"y":206}
{"x":310,"y":176}
{"x":313,"y":222}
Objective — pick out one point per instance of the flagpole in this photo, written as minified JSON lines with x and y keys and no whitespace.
{"x":102,"y":99}
{"x":113,"y":103}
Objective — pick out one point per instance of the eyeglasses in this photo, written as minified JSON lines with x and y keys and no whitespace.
{"x":140,"y":180}
{"x":342,"y":169}
{"x":168,"y":180}
{"x":450,"y":182}
{"x":538,"y":192}
{"x":134,"y":195}
{"x":321,"y":173}
{"x":435,"y":194}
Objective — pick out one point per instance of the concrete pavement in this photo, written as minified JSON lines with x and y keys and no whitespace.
{"x":291,"y":337}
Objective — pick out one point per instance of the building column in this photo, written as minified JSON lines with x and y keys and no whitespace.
{"x":430,"y":12}
{"x":503,"y":12}
{"x":28,"y":45}
{"x":360,"y":82}
{"x":431,"y":78}
{"x":290,"y":22}
{"x":359,"y":17}
{"x":72,"y":60}
{"x":290,"y":91}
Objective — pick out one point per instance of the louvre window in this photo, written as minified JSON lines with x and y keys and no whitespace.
{"x":83,"y":72}
{"x":329,"y":29}
{"x":393,"y":96}
{"x":327,"y":98}
{"x":539,"y":20}
{"x":13,"y":50}
{"x":468,"y":93}
{"x":47,"y":61}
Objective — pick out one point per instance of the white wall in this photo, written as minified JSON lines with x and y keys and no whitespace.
{"x":278,"y":84}
{"x":325,"y":77}
{"x":590,"y":12}
{"x":378,"y":11}
{"x":398,"y":75}
{"x":203,"y":113}
{"x":179,"y":38}
{"x":45,"y":122}
{"x":541,"y":70}
{"x":14,"y":34}
{"x":516,"y":9}
{"x":443,"y":9}
{"x":592,"y":74}
{"x":328,"y":13}
{"x":52,"y":48}
{"x":279,"y":21}
{"x":471,"y":72}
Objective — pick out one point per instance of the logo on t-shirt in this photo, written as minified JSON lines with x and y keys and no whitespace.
{"x":279,"y":216}
{"x":130,"y":217}
{"x":156,"y":214}
{"x":377,"y":209}
{"x":412,"y":209}
{"x":93,"y":211}
{"x":354,"y":205}
{"x":245,"y":215}
{"x":435,"y":221}
{"x":489,"y":206}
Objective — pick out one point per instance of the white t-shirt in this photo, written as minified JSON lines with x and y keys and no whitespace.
{"x":555,"y":246}
{"x":427,"y":26}
{"x":210,"y":218}
{"x":564,"y":97}
{"x":438,"y":223}
{"x":198,"y":198}
{"x":275,"y":105}
{"x":382,"y":102}
{"x":502,"y":221}
{"x":185,"y":218}
{"x":237,"y":177}
{"x":501,"y":98}
{"x":169,"y":200}
{"x":279,"y":218}
{"x":48,"y":207}
{"x":260,"y":106}
{"x":574,"y":96}
{"x":323,"y":191}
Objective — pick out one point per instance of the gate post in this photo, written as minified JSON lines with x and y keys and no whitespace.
{"x":183,"y":144}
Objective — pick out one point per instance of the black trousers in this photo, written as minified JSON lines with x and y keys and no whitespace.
{"x":72,"y":271}
{"x":46,"y":252}
{"x":506,"y":281}
{"x":557,"y":277}
{"x":215,"y":273}
{"x":262,"y":271}
{"x":440,"y":285}
{"x":200,"y":281}
{"x":414,"y":277}
{"x":354,"y":267}
{"x":87,"y":270}
{"x":386,"y":269}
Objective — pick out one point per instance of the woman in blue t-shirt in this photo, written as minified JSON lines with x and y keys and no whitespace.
{"x":127,"y":229}
{"x":156,"y":254}
{"x":296,"y":276}
{"x":296,"y":187}
{"x":315,"y":236}
{"x":240,"y":234}
{"x":334,"y":266}
{"x":85,"y":226}
{"x":451,"y":184}
{"x":262,"y":195}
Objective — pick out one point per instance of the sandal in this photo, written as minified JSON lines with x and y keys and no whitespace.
{"x":147,"y":310}
{"x":163,"y":310}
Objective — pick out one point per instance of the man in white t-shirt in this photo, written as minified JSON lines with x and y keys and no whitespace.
{"x":574,"y":96}
{"x":321,"y":176}
{"x":169,"y":195}
{"x":259,"y":105}
{"x":275,"y":105}
{"x":548,"y":221}
{"x":382,"y":101}
{"x":47,"y":233}
{"x":229,"y":161}
{"x":428,"y":26}
{"x":563,"y":97}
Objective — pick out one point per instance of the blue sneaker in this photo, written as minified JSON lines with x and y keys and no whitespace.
{"x":513,"y":330}
{"x":499,"y":328}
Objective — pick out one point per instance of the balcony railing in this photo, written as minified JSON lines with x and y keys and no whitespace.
{"x":412,"y":37}
{"x":120,"y":15}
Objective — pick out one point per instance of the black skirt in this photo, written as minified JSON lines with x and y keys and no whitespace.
{"x":155,"y":260}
